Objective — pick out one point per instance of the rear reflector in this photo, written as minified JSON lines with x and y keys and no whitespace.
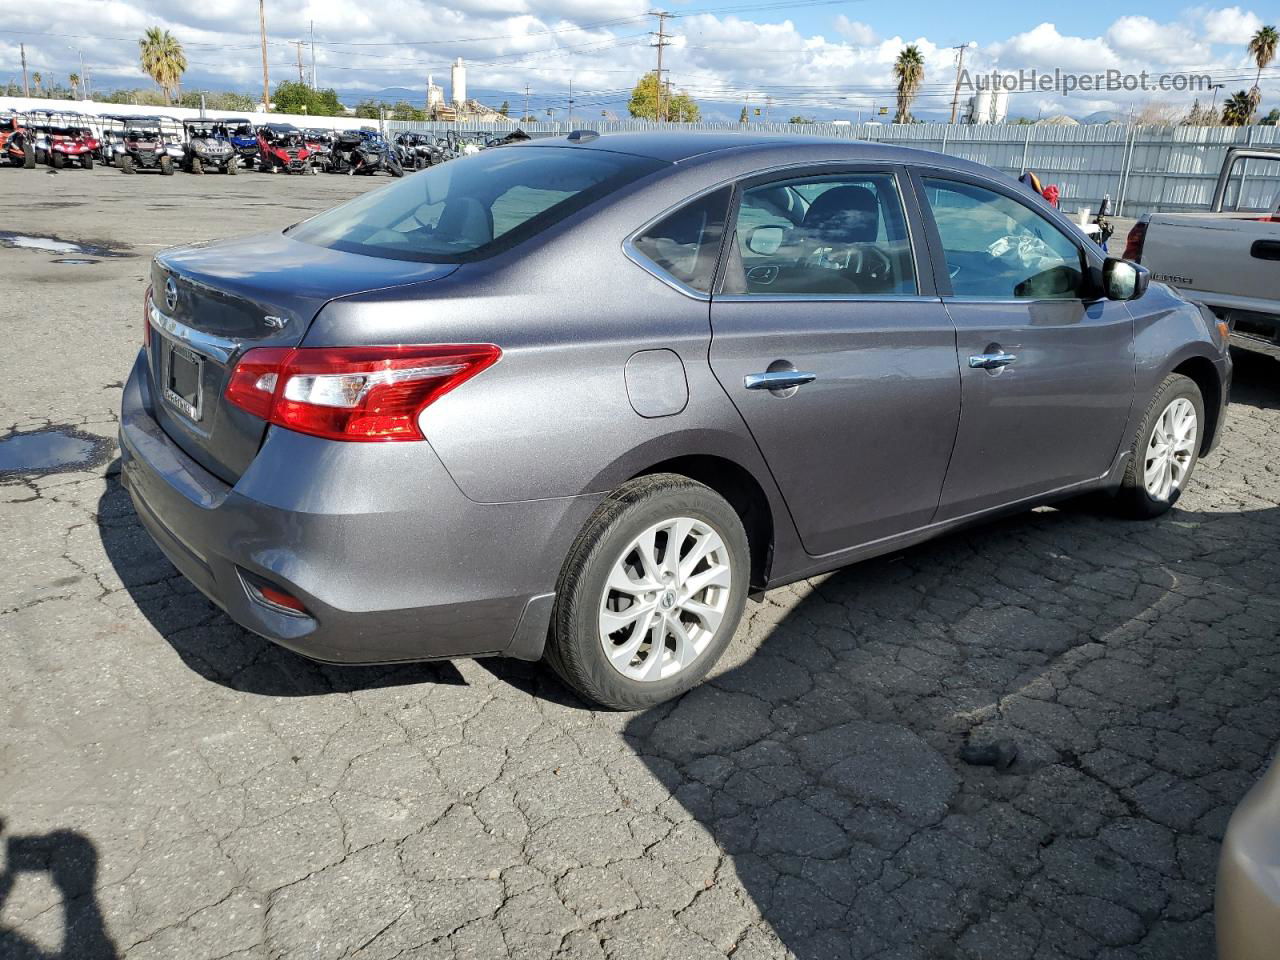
{"x":280,"y":598}
{"x":353,"y":393}
{"x":1134,"y":242}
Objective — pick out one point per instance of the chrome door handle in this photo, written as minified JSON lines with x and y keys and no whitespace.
{"x":989,"y":361}
{"x":777,"y":380}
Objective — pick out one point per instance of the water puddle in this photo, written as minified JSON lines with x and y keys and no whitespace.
{"x":54,"y":450}
{"x":76,"y":261}
{"x":22,"y":241}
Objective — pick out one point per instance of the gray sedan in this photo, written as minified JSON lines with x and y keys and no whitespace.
{"x":578,"y":398}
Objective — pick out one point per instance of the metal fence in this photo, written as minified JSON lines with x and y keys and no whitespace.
{"x":1142,"y":169}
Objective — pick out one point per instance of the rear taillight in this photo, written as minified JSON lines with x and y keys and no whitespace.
{"x":146,"y":317}
{"x":1133,"y":243}
{"x":353,"y":393}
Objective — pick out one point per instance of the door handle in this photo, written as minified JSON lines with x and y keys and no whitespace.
{"x":990,"y":361}
{"x":777,"y":380}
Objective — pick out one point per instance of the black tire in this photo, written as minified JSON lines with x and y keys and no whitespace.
{"x":196,"y":165}
{"x":1133,"y":499}
{"x":126,"y":163}
{"x":166,"y":166}
{"x":57,"y":160}
{"x":28,"y":159}
{"x":86,"y":161}
{"x":396,"y":170}
{"x":574,"y":648}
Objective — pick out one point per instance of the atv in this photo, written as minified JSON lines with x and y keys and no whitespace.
{"x":282,"y":147}
{"x":417,"y":151}
{"x":320,"y":145}
{"x":206,"y":148}
{"x":365,"y":152}
{"x":142,"y":147}
{"x":112,"y":126}
{"x":62,"y":138}
{"x":13,"y":136}
{"x":243,"y":138}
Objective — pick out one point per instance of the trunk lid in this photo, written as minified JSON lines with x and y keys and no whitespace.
{"x":212,"y":302}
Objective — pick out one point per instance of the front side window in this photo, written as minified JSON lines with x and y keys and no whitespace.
{"x":998,"y":248}
{"x":475,"y":206}
{"x":686,"y":244}
{"x":841,"y":235}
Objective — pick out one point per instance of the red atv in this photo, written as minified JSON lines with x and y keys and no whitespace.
{"x":281,"y":146}
{"x":62,"y":139}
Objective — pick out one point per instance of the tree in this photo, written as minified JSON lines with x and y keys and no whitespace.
{"x":403,"y":110}
{"x":505,"y":109}
{"x":801,"y":120}
{"x":370,"y":109}
{"x":163,"y":60}
{"x":75,"y":86}
{"x":643,"y":104}
{"x":1262,"y":47}
{"x":742,"y":117}
{"x":1272,"y":119}
{"x":36,"y":79}
{"x":1237,"y":109}
{"x":294,"y":97}
{"x":909,"y":69}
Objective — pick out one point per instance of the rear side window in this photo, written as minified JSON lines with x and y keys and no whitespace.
{"x":686,"y":244}
{"x":474,"y":207}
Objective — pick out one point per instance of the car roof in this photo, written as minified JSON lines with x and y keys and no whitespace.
{"x":679,"y":147}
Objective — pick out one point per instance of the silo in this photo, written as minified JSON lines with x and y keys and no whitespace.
{"x":982,"y":106}
{"x":458,"y":82}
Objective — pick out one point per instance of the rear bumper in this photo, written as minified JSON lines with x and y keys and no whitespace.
{"x":390,"y":559}
{"x":1247,"y":901}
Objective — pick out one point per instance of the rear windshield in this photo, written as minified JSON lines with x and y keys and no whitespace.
{"x":473,"y":207}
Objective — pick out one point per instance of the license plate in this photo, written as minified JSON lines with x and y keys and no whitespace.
{"x":184,"y":373}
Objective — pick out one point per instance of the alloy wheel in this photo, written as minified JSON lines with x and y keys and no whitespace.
{"x":666,"y":596}
{"x":1171,"y":449}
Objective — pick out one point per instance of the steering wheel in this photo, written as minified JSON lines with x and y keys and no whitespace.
{"x":861,"y":254}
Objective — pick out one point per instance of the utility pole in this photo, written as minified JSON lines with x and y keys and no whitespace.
{"x":664,"y":40}
{"x":526,"y":102}
{"x":955,"y":98}
{"x":302,"y":78}
{"x":26,"y":88}
{"x":266,"y":80}
{"x":313,"y":54}
{"x":571,"y":103}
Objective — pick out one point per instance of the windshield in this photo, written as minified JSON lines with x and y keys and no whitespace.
{"x":473,"y":207}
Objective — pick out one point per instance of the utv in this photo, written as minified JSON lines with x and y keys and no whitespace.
{"x":282,"y":147}
{"x":243,"y":139}
{"x":364,"y":152}
{"x":13,"y":135}
{"x":206,"y":148}
{"x":62,"y":139}
{"x":320,"y":145}
{"x":416,"y":151}
{"x":174,"y":138}
{"x":142,"y":147}
{"x":112,"y":125}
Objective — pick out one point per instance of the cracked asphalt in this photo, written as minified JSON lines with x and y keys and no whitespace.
{"x":171,"y":786}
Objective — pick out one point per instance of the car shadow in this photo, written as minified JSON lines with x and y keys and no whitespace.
{"x":1256,"y":382}
{"x":208,"y":641}
{"x":69,"y":861}
{"x":1131,"y":666}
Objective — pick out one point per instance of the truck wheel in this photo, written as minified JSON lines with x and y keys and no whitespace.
{"x":196,"y":165}
{"x":166,"y":166}
{"x":126,"y":164}
{"x":57,"y":160}
{"x":1165,"y":451}
{"x":650,"y":594}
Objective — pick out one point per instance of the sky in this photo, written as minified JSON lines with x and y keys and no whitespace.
{"x":815,"y":58}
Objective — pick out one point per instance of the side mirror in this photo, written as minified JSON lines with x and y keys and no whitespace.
{"x":1124,"y":279}
{"x":765,"y":240}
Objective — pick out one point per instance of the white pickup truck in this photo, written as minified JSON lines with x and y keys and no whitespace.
{"x":1228,"y":260}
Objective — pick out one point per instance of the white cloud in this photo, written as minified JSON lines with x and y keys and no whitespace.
{"x":855,"y":30}
{"x":1229,"y":25}
{"x":1157,"y":43}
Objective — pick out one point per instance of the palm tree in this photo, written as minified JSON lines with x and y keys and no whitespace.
{"x":909,"y":69}
{"x":75,"y":86}
{"x":1263,"y":50}
{"x":1237,"y":109}
{"x":37,"y":80}
{"x":163,"y":60}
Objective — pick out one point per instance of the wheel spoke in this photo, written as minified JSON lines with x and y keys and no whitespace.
{"x":707,"y":614}
{"x":622,"y":653}
{"x":716,"y":576}
{"x":611,"y":622}
{"x":686,"y":650}
{"x":707,"y":543}
{"x":652,"y":666}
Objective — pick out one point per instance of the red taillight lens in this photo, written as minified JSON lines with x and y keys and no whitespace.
{"x":146,"y":317}
{"x":353,"y":393}
{"x":1133,"y":243}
